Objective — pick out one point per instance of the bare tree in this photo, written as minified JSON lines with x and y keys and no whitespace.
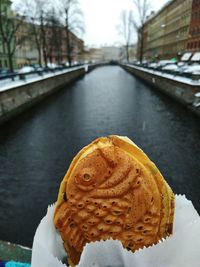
{"x":52,"y":17}
{"x":9,"y":26}
{"x":142,"y":8}
{"x":73,"y":20}
{"x":41,"y":8}
{"x":54,"y":48}
{"x":35,"y":31}
{"x":36,"y":12}
{"x":126,"y":29}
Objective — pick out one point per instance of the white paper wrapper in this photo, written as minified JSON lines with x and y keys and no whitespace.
{"x":182,"y":249}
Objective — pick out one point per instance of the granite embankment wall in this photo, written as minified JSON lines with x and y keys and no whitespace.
{"x":181,"y":89}
{"x":16,"y":99}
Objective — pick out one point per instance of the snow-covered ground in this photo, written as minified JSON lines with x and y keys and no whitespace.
{"x":7,"y":84}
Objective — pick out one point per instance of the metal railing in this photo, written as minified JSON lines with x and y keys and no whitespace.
{"x":17,"y":76}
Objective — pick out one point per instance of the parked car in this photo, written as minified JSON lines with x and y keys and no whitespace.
{"x":144,"y":64}
{"x":192,"y":69}
{"x":182,"y":68}
{"x":153,"y":65}
{"x":52,"y":65}
{"x":181,"y":64}
{"x":26,"y":69}
{"x":74,"y":63}
{"x":171,"y":68}
{"x":37,"y":67}
{"x":6,"y":73}
{"x":163,"y":63}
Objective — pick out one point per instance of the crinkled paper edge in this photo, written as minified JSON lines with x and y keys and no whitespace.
{"x":178,"y":250}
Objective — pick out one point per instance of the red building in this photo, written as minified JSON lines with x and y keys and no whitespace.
{"x":193,"y":44}
{"x":56,"y":45}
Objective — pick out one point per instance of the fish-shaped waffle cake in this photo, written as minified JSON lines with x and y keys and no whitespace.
{"x":113,"y":190}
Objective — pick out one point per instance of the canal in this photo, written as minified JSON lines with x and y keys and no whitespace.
{"x":37,"y":147}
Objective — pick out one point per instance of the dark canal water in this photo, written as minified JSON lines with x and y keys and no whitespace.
{"x":37,"y":147}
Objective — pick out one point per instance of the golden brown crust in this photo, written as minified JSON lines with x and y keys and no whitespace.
{"x":112,"y":189}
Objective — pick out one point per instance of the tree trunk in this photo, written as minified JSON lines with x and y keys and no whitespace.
{"x":59,"y":46}
{"x":10,"y":57}
{"x":127,"y":53}
{"x":68,"y":48}
{"x":39,"y":51}
{"x":141,"y":45}
{"x":51,"y":55}
{"x":43,"y":40}
{"x":39,"y":57}
{"x":37,"y":39}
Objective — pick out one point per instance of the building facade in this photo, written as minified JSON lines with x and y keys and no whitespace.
{"x":104,"y":54}
{"x":165,"y":34}
{"x":94,"y":55}
{"x":56,"y":45}
{"x":193,"y":44}
{"x":26,"y":52}
{"x":77,"y":48}
{"x":27,"y":40}
{"x":21,"y":42}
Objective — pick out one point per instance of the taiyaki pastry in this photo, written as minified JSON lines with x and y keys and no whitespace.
{"x":113,"y":190}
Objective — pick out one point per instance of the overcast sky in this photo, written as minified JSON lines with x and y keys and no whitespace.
{"x":102,"y":17}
